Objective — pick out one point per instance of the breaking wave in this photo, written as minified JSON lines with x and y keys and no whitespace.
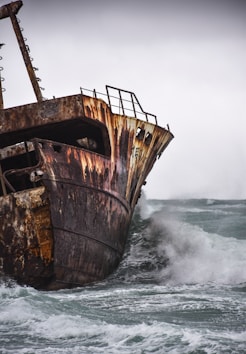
{"x":171,"y":244}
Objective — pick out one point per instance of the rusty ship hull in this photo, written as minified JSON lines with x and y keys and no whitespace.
{"x":67,"y":209}
{"x":71,"y":172}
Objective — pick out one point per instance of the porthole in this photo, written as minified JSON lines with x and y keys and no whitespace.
{"x":140,"y":133}
{"x":148,"y":139}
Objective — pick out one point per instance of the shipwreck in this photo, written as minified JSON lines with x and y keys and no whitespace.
{"x":71,"y":172}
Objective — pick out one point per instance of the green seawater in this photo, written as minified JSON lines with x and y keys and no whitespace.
{"x":181,"y":288}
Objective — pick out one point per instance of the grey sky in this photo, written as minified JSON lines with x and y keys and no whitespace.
{"x":185,"y":61}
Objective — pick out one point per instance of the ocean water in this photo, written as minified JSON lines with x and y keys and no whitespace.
{"x":181,"y":288}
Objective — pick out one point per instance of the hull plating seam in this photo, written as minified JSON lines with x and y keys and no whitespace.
{"x":75,"y":183}
{"x":90,"y":238}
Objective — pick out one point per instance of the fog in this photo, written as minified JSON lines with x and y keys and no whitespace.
{"x":185,"y":61}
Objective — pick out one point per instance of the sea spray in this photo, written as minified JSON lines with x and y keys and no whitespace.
{"x":169,"y":241}
{"x":195,"y":256}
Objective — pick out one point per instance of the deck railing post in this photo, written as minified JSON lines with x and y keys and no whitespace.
{"x":121,"y":102}
{"x":133,"y":105}
{"x":109,"y":102}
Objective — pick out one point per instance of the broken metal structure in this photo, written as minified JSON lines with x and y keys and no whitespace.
{"x":71,"y":172}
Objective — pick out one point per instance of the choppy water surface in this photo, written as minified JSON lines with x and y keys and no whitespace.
{"x":181,"y":288}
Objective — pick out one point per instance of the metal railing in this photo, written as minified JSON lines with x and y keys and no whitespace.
{"x":122,"y":102}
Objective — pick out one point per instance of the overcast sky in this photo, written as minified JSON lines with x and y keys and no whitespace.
{"x":185,"y":61}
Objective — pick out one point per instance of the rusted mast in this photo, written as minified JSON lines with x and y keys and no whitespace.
{"x":10,"y":10}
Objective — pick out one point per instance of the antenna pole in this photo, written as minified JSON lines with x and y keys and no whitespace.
{"x":1,"y":94}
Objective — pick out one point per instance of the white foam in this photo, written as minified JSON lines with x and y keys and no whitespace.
{"x":100,"y":336}
{"x":196,"y":256}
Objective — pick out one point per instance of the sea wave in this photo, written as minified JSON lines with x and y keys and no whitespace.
{"x":174,"y":247}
